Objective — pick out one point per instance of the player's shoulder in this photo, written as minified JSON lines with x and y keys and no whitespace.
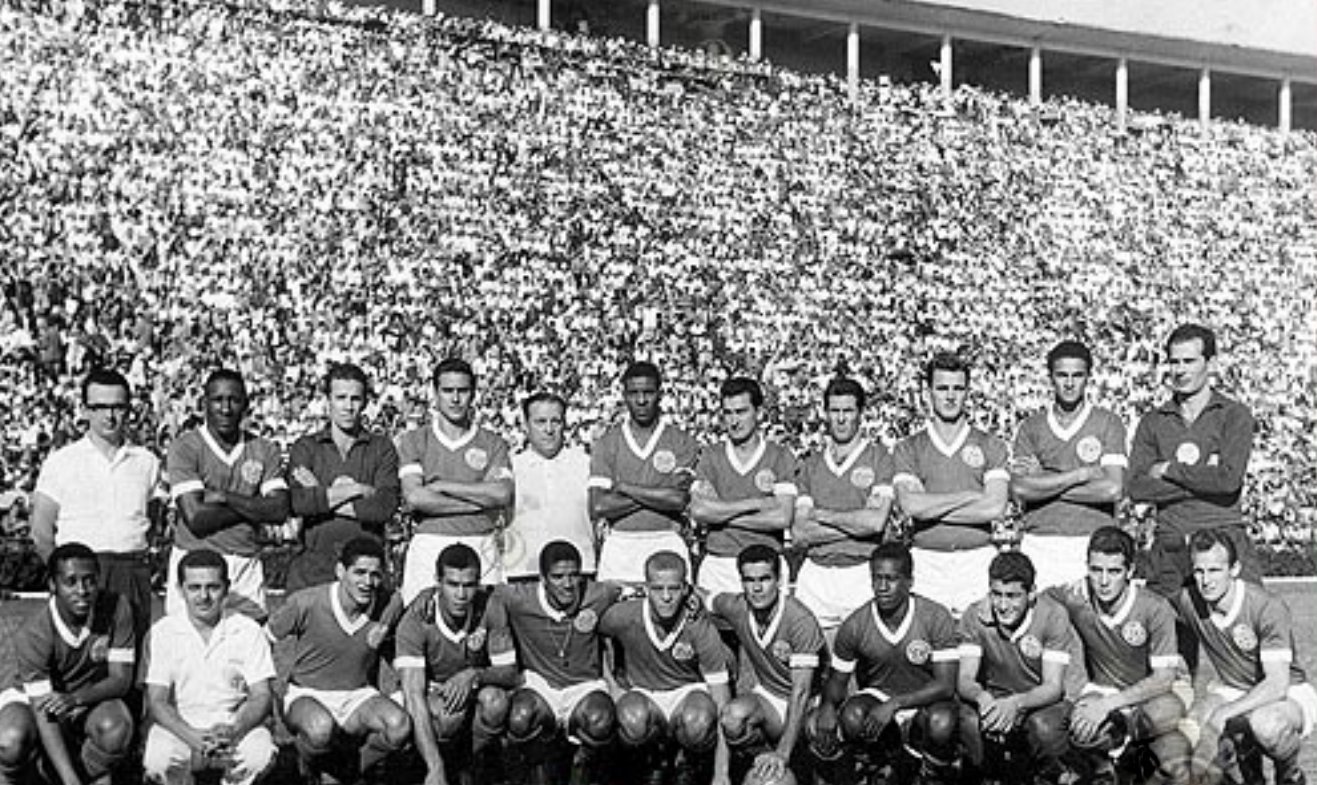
{"x":985,"y":438}
{"x":188,"y":441}
{"x":1260,"y":603}
{"x":1149,"y":603}
{"x":795,"y":613}
{"x":1051,"y":613}
{"x":421,"y":608}
{"x":859,"y":619}
{"x":486,"y":437}
{"x":930,"y":611}
{"x":37,"y":628}
{"x":260,"y":445}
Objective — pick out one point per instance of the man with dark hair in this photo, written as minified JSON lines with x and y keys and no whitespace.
{"x":331,"y":705}
{"x":745,"y":488}
{"x":342,"y":479}
{"x":951,"y":479}
{"x":1067,"y":469}
{"x":456,"y":478}
{"x":227,"y":482}
{"x":1260,"y":703}
{"x":75,"y":666}
{"x":641,"y":471}
{"x":1014,"y":651}
{"x":1189,"y":458}
{"x":103,"y":492}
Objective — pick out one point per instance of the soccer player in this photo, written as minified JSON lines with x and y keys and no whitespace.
{"x":457,"y":479}
{"x":75,"y":665}
{"x":1067,"y":469}
{"x":337,"y":628}
{"x":901,"y":649}
{"x":1014,"y":650}
{"x":227,"y":482}
{"x":780,"y":647}
{"x":841,"y":514}
{"x":207,"y":684}
{"x":342,"y":479}
{"x":745,"y":488}
{"x":951,"y":479}
{"x":640,"y":476}
{"x":1188,"y":458}
{"x":1261,"y":702}
{"x":1132,"y":660}
{"x":676,"y":668}
{"x":456,"y":701}
{"x":552,"y":497}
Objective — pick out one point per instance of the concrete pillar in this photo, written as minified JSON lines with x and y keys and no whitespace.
{"x":1035,"y":76}
{"x":544,"y":14}
{"x":652,"y":24}
{"x":1285,"y":108}
{"x":429,"y":7}
{"x":756,"y":34}
{"x":945,"y":62}
{"x":1205,"y":97}
{"x":1122,"y":93}
{"x":853,"y":60}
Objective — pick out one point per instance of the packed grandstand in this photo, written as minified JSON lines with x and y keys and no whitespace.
{"x":275,"y":186}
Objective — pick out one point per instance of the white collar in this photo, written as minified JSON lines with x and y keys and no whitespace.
{"x":773,"y":623}
{"x":121,"y":453}
{"x":549,"y":610}
{"x":1024,"y":625}
{"x":456,"y":636}
{"x":662,"y":644}
{"x":962,"y":434}
{"x":642,"y":453}
{"x":1223,"y":620}
{"x":838,"y":470}
{"x":1067,"y":433}
{"x":231,"y":457}
{"x":74,"y":641}
{"x":744,"y":468}
{"x":341,"y":616}
{"x":894,"y":636}
{"x":452,"y":445}
{"x":1122,"y":612}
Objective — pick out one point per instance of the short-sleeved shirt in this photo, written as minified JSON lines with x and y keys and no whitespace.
{"x":254,"y":467}
{"x":665,"y":460}
{"x":1095,"y":438}
{"x":330,"y":651}
{"x":552,"y":504}
{"x":690,"y":653}
{"x":966,"y":464}
{"x":1256,"y":628}
{"x":770,"y":471}
{"x":371,"y":459}
{"x":210,"y":679}
{"x":900,"y":660}
{"x":52,"y":658}
{"x":1124,"y":647}
{"x":563,"y":647}
{"x":102,"y":502}
{"x":1011,"y":661}
{"x":479,"y":455}
{"x":427,"y":641}
{"x":791,"y":640}
{"x":851,"y":485}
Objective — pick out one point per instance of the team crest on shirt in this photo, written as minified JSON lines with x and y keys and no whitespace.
{"x":862,"y":477}
{"x":782,"y":651}
{"x":476,"y":640}
{"x":585,"y":621}
{"x":665,"y":462}
{"x":764,"y":479}
{"x":682,"y":652}
{"x":972,"y":455}
{"x":1031,"y":647}
{"x":1244,"y":637}
{"x":1134,"y":633}
{"x":476,"y":458}
{"x":1089,"y":449}
{"x":918,"y":651}
{"x":233,"y":675}
{"x":100,"y":648}
{"x":250,"y":471}
{"x":1187,"y":453}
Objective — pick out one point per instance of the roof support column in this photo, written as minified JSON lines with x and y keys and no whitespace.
{"x":853,"y":61}
{"x":945,"y":67}
{"x":1035,"y":76}
{"x":756,"y":35}
{"x":1204,"y":97}
{"x":652,"y":24}
{"x":1122,"y":93}
{"x":543,"y":14}
{"x":1285,"y":107}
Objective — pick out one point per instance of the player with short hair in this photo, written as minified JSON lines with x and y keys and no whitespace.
{"x":331,"y":706}
{"x":75,"y":666}
{"x":951,"y":479}
{"x":780,"y":653}
{"x":745,"y":488}
{"x":641,"y":471}
{"x":1014,"y":651}
{"x":1067,"y":469}
{"x":456,"y":477}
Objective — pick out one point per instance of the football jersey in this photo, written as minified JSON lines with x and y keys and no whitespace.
{"x":479,"y":455}
{"x":1011,"y":661}
{"x":425,"y":639}
{"x":1255,"y":629}
{"x":196,"y":462}
{"x":771,"y":471}
{"x":966,"y":464}
{"x":330,"y":651}
{"x":52,"y":658}
{"x":866,"y":474}
{"x":665,"y":460}
{"x":1095,"y":438}
{"x":690,"y":653}
{"x":561,"y":646}
{"x":792,"y":639}
{"x":900,"y":660}
{"x":1123,"y":648}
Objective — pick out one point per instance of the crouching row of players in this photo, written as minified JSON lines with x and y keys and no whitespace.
{"x":907,"y":693}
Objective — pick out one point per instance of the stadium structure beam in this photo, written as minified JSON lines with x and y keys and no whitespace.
{"x":1284,"y":106}
{"x":944,"y":67}
{"x":1205,"y":97}
{"x":756,"y":34}
{"x":1122,"y":93}
{"x":652,"y":24}
{"x":853,"y":60}
{"x":1035,"y":76}
{"x":544,"y":14}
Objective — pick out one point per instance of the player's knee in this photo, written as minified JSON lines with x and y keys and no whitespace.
{"x":492,"y":704}
{"x":1046,"y":732}
{"x":739,"y":721}
{"x":527,"y":717}
{"x":1270,"y":725}
{"x":940,"y":723}
{"x":397,"y":728}
{"x":636,"y":725}
{"x":17,"y":739}
{"x":448,"y":727}
{"x":1156,"y":717}
{"x":594,"y":720}
{"x":850,"y":720}
{"x":316,"y":729}
{"x":111,"y":732}
{"x":696,"y":725}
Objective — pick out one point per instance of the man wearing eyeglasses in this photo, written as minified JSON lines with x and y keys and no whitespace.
{"x":103,"y":492}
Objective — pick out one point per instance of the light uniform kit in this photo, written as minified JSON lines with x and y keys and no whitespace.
{"x":665,"y":460}
{"x":666,"y":667}
{"x":51,"y":658}
{"x":1011,"y":661}
{"x":425,"y":640}
{"x":791,"y":640}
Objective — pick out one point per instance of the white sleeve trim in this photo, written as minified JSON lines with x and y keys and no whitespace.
{"x":602,"y":483}
{"x":885,"y":491}
{"x":1115,"y":459}
{"x":1062,"y":657}
{"x":503,"y":659}
{"x":785,"y":489}
{"x":907,"y":478}
{"x":38,"y":689}
{"x":273,"y":484}
{"x":124,"y":656}
{"x":996,"y":474}
{"x":410,"y":469}
{"x":969,"y":650}
{"x":1164,"y":661}
{"x":1276,"y":655}
{"x":804,"y":502}
{"x":189,"y":486}
{"x":721,"y":677}
{"x":502,"y":473}
{"x":408,"y":662}
{"x":803,"y":661}
{"x":843,"y":666}
{"x":946,"y":655}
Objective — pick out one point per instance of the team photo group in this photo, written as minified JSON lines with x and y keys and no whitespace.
{"x":657,"y":610}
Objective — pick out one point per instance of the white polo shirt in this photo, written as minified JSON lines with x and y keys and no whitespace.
{"x":211,"y":679}
{"x":553,"y":503}
{"x":102,"y":502}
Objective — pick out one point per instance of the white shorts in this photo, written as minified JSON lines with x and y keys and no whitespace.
{"x":168,"y":759}
{"x":13,"y":695}
{"x":1302,"y":694}
{"x":1057,"y":559}
{"x":774,"y":703}
{"x":718,"y":575}
{"x":339,"y":703}
{"x":955,"y":579}
{"x":418,"y":573}
{"x":622,"y":557}
{"x":833,"y":593}
{"x":668,"y":700}
{"x":246,"y":585}
{"x":563,"y":702}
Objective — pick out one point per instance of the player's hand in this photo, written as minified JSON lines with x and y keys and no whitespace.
{"x":768,"y":767}
{"x":214,"y":497}
{"x":826,"y":741}
{"x":304,"y":477}
{"x":457,"y":690}
{"x":376,"y":634}
{"x":435,"y":777}
{"x":993,"y":715}
{"x":1088,"y":717}
{"x":1158,"y":469}
{"x":1009,"y":713}
{"x":1028,"y":464}
{"x":61,"y":706}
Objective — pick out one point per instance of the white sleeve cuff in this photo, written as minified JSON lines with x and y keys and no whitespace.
{"x":1115,"y":459}
{"x":1056,"y":656}
{"x":803,"y":661}
{"x":1276,"y":655}
{"x":969,"y":650}
{"x":602,"y":483}
{"x":946,"y":655}
{"x":409,"y":470}
{"x":37,"y":689}
{"x":503,"y":659}
{"x":720,"y":677}
{"x":996,"y":474}
{"x":125,"y":656}
{"x":904,"y":478}
{"x":186,"y":487}
{"x":785,"y":489}
{"x":843,"y":666}
{"x":409,"y":662}
{"x":274,"y":484}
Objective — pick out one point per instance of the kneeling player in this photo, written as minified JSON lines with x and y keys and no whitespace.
{"x":1013,"y":656}
{"x":901,"y":647}
{"x":337,"y":630}
{"x":75,"y":665}
{"x":455,"y":699}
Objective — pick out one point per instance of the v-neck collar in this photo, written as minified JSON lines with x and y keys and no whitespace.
{"x":456,"y":636}
{"x":62,"y":629}
{"x":660,"y":643}
{"x":1025,"y":624}
{"x":1066,"y":433}
{"x":1223,"y":620}
{"x":839,"y":469}
{"x":744,"y":468}
{"x":452,"y":445}
{"x":547,"y":607}
{"x":642,"y":453}
{"x":341,"y":616}
{"x":1122,"y":612}
{"x":231,"y":457}
{"x":773,"y":623}
{"x":894,"y":636}
{"x":948,"y":449}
